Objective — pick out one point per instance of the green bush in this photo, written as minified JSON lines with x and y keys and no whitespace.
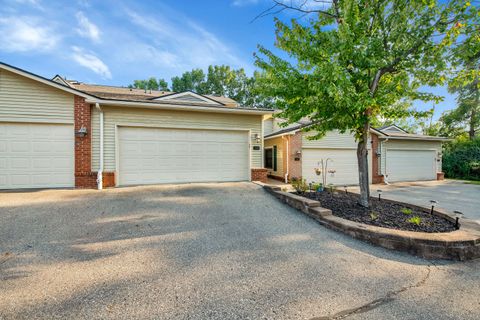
{"x":461,"y":159}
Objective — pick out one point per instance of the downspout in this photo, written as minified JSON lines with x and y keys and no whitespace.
{"x":100,"y":169}
{"x":288,"y":156}
{"x":384,"y":152}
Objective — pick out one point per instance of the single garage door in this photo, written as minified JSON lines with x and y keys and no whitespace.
{"x":154,"y":155}
{"x":36,"y":156}
{"x":344,"y":163}
{"x":410,"y":165}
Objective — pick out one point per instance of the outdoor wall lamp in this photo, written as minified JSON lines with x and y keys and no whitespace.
{"x":256,"y":137}
{"x":82,"y":132}
{"x":378,"y":153}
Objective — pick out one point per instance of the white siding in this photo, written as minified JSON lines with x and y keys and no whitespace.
{"x":267,"y":126}
{"x":163,"y":119}
{"x":26,"y":100}
{"x":333,"y":139}
{"x":409,"y":145}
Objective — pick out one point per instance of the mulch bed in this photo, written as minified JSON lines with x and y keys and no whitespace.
{"x":382,"y":213}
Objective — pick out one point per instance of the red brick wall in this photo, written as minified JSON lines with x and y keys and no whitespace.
{"x":83,"y":145}
{"x":259,"y":174}
{"x":376,"y":177}
{"x":295,"y":167}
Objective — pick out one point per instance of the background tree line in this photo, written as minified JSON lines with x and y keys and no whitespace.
{"x":219,"y":80}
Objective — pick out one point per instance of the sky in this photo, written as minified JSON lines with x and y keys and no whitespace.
{"x":114,"y":42}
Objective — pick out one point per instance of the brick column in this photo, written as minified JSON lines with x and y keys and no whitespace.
{"x":294,"y":159}
{"x":259,"y":174}
{"x":84,"y":177}
{"x":376,"y":177}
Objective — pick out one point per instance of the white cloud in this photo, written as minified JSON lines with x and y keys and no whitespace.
{"x":90,"y":61}
{"x":22,"y":34}
{"x":86,"y":28}
{"x":179,"y":43}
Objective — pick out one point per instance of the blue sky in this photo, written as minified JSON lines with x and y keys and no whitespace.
{"x":116,"y":41}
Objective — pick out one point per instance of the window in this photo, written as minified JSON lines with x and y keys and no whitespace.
{"x":271,"y":158}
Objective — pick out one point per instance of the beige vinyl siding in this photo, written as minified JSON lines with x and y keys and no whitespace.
{"x":267,"y":126}
{"x":280,"y":155}
{"x":26,"y":100}
{"x":409,"y":145}
{"x":333,"y":139}
{"x":163,"y":119}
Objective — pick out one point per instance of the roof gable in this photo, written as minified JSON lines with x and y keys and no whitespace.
{"x":187,"y":96}
{"x":392,"y":128}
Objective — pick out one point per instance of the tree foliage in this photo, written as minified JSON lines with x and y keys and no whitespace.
{"x":219,"y":80}
{"x":461,"y":159}
{"x":150,"y":84}
{"x":359,"y":61}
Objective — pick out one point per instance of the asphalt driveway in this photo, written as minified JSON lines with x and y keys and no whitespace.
{"x":207,"y":251}
{"x":452,"y":195}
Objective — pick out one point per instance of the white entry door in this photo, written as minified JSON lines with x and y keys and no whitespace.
{"x":157,"y":155}
{"x":343,"y":162}
{"x":36,"y":155}
{"x":410,"y":165}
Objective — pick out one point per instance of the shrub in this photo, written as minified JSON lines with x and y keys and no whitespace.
{"x":415,"y":220}
{"x":373,"y":215}
{"x":461,"y":159}
{"x":406,"y":211}
{"x":300,"y":185}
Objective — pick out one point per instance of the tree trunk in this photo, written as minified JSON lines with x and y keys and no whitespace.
{"x":471,"y":131}
{"x":362,"y":158}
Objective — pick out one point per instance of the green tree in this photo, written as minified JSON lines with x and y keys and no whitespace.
{"x":150,"y":84}
{"x":356,"y":62}
{"x":466,"y":78}
{"x":190,"y":81}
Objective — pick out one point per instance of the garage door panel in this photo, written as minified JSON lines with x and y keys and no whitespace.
{"x":344,"y":163}
{"x":410,"y":165}
{"x":36,"y":155}
{"x":182,"y":155}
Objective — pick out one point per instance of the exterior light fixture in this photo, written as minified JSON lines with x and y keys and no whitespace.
{"x":256,"y":137}
{"x":458,"y":214}
{"x":345,"y":187}
{"x":379,"y":194}
{"x":82,"y":132}
{"x":433,"y":203}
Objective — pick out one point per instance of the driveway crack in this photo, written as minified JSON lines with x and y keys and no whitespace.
{"x":377,"y":302}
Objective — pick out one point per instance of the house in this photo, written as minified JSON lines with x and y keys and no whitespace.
{"x":62,"y":133}
{"x":394,"y":154}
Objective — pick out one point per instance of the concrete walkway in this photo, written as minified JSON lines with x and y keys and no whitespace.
{"x":207,"y":251}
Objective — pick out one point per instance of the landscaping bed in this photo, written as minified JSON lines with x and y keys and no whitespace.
{"x":382,"y":213}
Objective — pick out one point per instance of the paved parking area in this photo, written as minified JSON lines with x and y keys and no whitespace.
{"x":207,"y":251}
{"x":451,"y":195}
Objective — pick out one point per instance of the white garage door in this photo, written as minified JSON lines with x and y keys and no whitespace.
{"x":153,"y":155}
{"x":36,"y":156}
{"x":410,"y":165}
{"x":344,"y":163}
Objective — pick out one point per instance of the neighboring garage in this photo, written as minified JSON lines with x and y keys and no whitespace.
{"x":64,"y":133}
{"x":407,"y":157}
{"x":155,"y":155}
{"x":394,"y":154}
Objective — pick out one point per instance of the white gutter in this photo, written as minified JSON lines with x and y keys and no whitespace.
{"x":290,"y":133}
{"x":288,"y":156}
{"x":166,"y":106}
{"x":100,"y":169}
{"x":384,"y":153}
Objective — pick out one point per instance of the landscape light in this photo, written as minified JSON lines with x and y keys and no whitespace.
{"x":379,"y":194}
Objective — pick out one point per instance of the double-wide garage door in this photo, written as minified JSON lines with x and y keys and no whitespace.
{"x":156,"y":155}
{"x":36,"y":155}
{"x":410,"y":165}
{"x":342,"y":161}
